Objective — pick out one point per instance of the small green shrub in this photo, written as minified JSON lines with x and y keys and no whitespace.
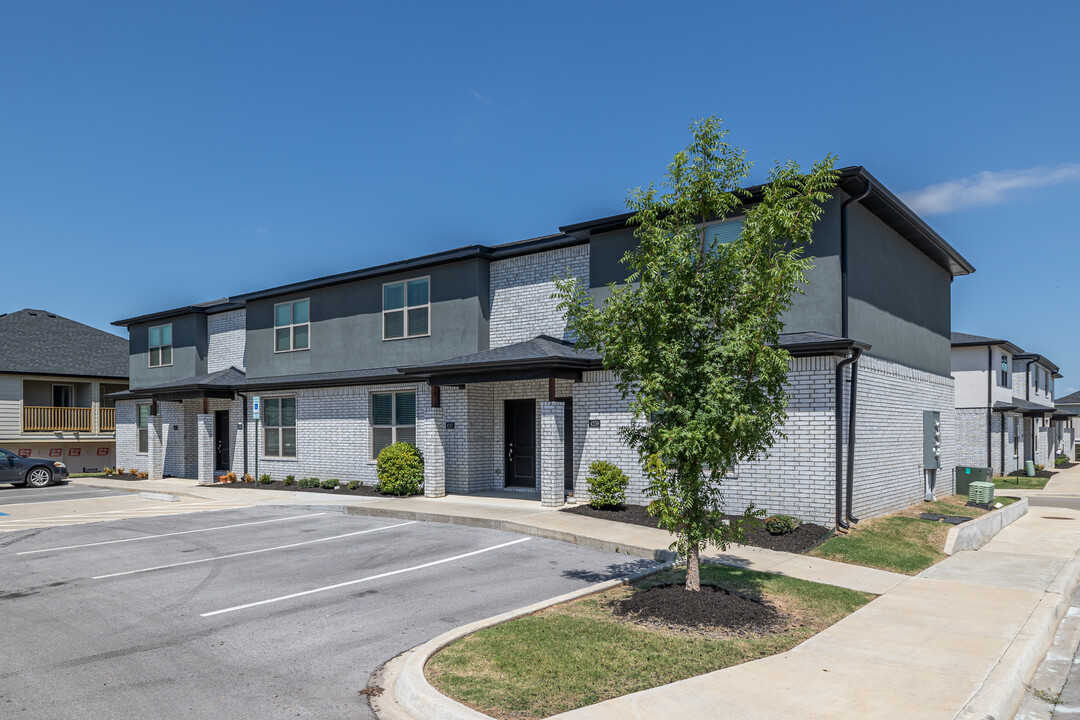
{"x":400,"y":469}
{"x":607,"y":485}
{"x":1061,"y":460}
{"x":290,"y":479}
{"x":781,"y":524}
{"x":1039,"y":468}
{"x":308,"y":482}
{"x":265,"y":480}
{"x":330,"y":484}
{"x":353,"y":484}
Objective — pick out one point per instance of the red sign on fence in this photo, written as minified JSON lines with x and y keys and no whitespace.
{"x":73,"y":452}
{"x":24,"y":452}
{"x":103,"y":451}
{"x":56,"y":452}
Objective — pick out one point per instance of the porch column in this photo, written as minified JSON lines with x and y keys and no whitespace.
{"x":552,"y":487}
{"x":430,"y":427}
{"x":156,"y":449}
{"x":204,"y":431}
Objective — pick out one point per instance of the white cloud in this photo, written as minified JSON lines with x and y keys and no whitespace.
{"x":986,"y":188}
{"x":482,"y":98}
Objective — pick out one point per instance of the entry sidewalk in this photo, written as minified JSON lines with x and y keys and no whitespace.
{"x":529,"y":518}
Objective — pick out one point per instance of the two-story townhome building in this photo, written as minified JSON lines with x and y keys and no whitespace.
{"x":1004,"y":405}
{"x":465,"y":354}
{"x":55,"y":376}
{"x":1068,"y":415}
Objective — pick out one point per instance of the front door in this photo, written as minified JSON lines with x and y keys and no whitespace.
{"x":520,"y":449}
{"x":221,"y":440}
{"x":568,"y":444}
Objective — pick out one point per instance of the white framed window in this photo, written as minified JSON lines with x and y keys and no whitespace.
{"x":160,"y":344}
{"x":142,"y":416}
{"x":723,"y":231}
{"x":279,"y":427}
{"x":393,"y":419}
{"x":292,"y":325}
{"x":406,"y":308}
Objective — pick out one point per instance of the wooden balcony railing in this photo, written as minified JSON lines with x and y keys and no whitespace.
{"x":57,"y":419}
{"x":107,"y":423}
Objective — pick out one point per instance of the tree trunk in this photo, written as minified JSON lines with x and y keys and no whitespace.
{"x":693,"y":574}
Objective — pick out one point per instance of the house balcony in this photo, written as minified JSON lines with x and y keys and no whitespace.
{"x":38,"y":418}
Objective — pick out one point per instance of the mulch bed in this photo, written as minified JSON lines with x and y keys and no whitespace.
{"x":1065,"y":465}
{"x":1039,"y":474}
{"x":799,"y":540}
{"x":364,"y":490}
{"x":710,"y":607}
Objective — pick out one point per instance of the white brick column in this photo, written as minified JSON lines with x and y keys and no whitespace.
{"x":205,"y":432}
{"x":430,"y":428}
{"x":552,"y":487}
{"x":156,"y":449}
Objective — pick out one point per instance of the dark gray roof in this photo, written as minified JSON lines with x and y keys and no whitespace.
{"x":803,"y":344}
{"x":1035,"y":357}
{"x":1070,"y":399}
{"x":1022,"y":405}
{"x":42,"y":343}
{"x":960,"y":339}
{"x":221,"y":380}
{"x":541,"y":349}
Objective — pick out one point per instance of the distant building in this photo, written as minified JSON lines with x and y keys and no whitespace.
{"x":54,"y":376}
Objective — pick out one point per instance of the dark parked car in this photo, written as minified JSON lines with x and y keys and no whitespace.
{"x":34,"y":472}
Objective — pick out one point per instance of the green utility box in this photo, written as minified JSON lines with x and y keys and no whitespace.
{"x":965,"y":475}
{"x":981,"y":492}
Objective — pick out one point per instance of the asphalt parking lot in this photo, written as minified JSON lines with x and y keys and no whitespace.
{"x":256,"y":612}
{"x":21,"y":495}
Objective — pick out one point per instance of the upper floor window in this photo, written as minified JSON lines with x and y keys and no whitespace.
{"x":291,"y":323}
{"x":1003,"y":376}
{"x":279,"y":425}
{"x":405,"y":309}
{"x":161,"y":345}
{"x":393,"y":419}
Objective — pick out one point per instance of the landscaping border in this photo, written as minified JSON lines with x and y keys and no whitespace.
{"x":973,"y":534}
{"x":406,"y":693}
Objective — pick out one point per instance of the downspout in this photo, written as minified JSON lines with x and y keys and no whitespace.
{"x":852,"y":404}
{"x":989,"y":405}
{"x":840,"y":522}
{"x":844,"y":257}
{"x":242,"y":395}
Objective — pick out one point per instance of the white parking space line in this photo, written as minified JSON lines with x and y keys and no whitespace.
{"x":53,"y":495}
{"x":251,"y":552}
{"x":172,"y":534}
{"x":195,"y":506}
{"x":363,"y":580}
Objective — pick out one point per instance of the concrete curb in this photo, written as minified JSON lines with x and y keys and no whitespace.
{"x":164,"y":497}
{"x":1002,"y":692}
{"x":973,"y":534}
{"x":408,"y":694}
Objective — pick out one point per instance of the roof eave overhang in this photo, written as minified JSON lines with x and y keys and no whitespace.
{"x":989,"y":343}
{"x":830,"y":347}
{"x":1035,"y":357}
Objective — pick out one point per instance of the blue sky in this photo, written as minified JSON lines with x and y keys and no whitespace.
{"x":159,"y":154}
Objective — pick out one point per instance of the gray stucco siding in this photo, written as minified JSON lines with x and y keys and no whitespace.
{"x":346,"y":324}
{"x":899,"y":299}
{"x":189,"y":341}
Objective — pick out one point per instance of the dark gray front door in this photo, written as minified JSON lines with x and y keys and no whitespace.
{"x":520,"y":449}
{"x":568,"y":443}
{"x":221,"y":440}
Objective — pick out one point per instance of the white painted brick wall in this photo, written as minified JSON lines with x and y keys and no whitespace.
{"x":226,"y":341}
{"x":521,"y":288}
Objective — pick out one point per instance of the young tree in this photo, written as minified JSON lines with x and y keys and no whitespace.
{"x":692,"y":336}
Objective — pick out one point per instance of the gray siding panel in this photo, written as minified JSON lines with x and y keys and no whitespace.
{"x":189,"y":352}
{"x":10,"y":395}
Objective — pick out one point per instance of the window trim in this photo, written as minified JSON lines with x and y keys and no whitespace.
{"x":292,"y":325}
{"x":70,"y":386}
{"x":150,"y":347}
{"x":405,"y":308}
{"x":394,"y":426}
{"x":1003,"y":370}
{"x":139,"y":429}
{"x":265,"y":428}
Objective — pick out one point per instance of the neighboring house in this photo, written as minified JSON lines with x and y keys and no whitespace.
{"x":55,"y":374}
{"x":465,"y":353}
{"x":1069,"y":410}
{"x":1004,"y":405}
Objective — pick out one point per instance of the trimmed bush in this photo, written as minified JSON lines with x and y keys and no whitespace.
{"x":265,"y":480}
{"x":353,"y":484}
{"x":400,"y":469}
{"x":308,"y":482}
{"x":331,"y":484}
{"x":607,"y":485}
{"x":290,"y":479}
{"x":781,"y":524}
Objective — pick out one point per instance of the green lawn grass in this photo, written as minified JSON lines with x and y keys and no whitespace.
{"x":1019,"y":483}
{"x":579,"y":653}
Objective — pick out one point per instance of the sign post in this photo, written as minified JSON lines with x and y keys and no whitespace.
{"x":255,"y":414}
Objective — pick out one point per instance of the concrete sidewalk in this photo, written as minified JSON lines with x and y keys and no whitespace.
{"x":962,"y":639}
{"x":1065,"y":483}
{"x":528,"y":517}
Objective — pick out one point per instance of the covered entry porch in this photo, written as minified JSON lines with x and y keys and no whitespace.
{"x":507,"y":420}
